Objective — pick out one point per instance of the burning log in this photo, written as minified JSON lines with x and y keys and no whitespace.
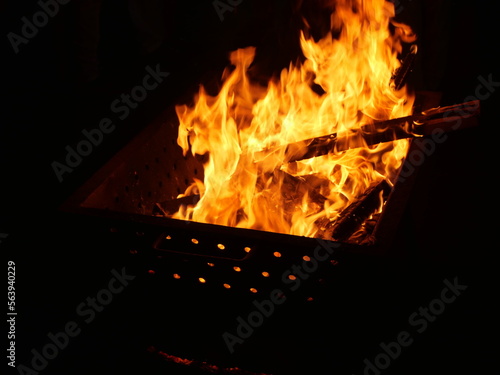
{"x":400,"y":76}
{"x":167,"y":208}
{"x":296,"y":186}
{"x":355,"y":214}
{"x":424,"y":124}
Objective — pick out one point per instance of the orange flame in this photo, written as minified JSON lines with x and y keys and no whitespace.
{"x":243,"y":188}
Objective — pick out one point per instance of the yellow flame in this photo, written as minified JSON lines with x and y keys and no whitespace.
{"x":354,"y":70}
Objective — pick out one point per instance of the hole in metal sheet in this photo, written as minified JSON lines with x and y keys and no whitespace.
{"x":168,"y":237}
{"x":292,"y":277}
{"x":221,"y":246}
{"x":211,"y":264}
{"x":277,"y":254}
{"x":247,"y":249}
{"x":334,"y":262}
{"x":237,"y":269}
{"x":265,"y":274}
{"x":202,"y":280}
{"x":309,"y":299}
{"x":227,"y":286}
{"x":306,"y":258}
{"x":195,"y":241}
{"x":253,"y":290}
{"x":176,"y":276}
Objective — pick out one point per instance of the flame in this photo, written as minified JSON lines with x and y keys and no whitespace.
{"x":245,"y":185}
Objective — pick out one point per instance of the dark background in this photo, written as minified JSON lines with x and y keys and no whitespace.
{"x":63,"y":81}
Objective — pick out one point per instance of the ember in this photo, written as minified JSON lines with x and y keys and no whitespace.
{"x":202,"y":366}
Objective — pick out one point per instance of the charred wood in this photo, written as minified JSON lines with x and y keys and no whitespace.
{"x":446,"y":119}
{"x":355,"y":214}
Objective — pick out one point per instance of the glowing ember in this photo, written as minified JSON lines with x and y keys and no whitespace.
{"x":246,"y":186}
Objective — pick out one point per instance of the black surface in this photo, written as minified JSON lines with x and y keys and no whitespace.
{"x":61,"y":260}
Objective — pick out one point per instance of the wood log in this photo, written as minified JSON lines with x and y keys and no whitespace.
{"x":167,"y":208}
{"x":294,"y":187}
{"x":446,"y":119}
{"x":400,"y":76}
{"x":355,"y":214}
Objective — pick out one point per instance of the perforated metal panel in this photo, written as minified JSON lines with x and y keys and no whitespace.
{"x":152,"y":169}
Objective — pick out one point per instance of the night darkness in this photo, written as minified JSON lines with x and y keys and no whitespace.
{"x":62,"y":77}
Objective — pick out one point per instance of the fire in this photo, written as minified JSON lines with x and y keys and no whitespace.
{"x":246,"y":182}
